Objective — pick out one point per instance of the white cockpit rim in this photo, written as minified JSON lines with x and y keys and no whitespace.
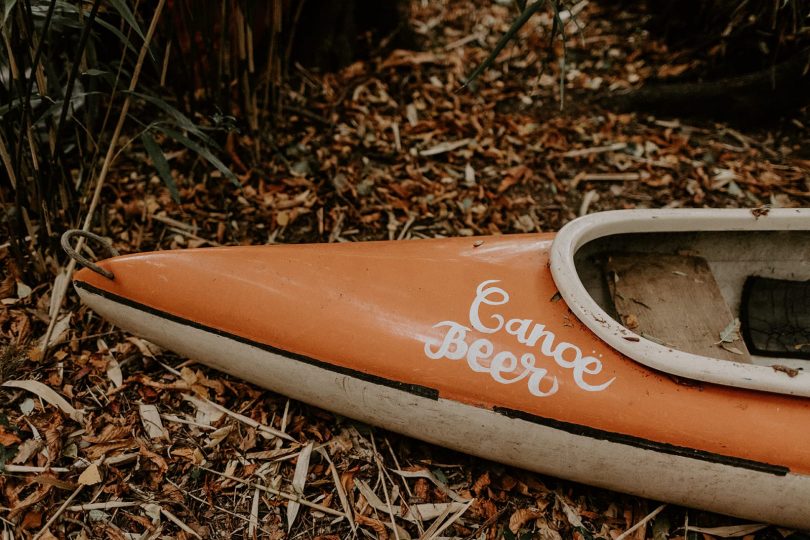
{"x":568,"y":279}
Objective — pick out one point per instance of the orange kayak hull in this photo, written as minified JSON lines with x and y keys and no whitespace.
{"x":465,"y":343}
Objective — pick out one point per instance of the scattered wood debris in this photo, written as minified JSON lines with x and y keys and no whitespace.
{"x":111,"y":437}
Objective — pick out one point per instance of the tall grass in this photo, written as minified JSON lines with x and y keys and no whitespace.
{"x":64,"y":71}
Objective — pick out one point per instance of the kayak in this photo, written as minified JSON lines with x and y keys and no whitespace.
{"x":660,"y":353}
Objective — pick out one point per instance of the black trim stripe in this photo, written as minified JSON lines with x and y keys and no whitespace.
{"x":422,"y":391}
{"x":433,"y":394}
{"x":645,"y":444}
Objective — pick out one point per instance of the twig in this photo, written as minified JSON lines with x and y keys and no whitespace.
{"x":253,"y":521}
{"x":589,"y":197}
{"x":178,"y":420}
{"x":397,"y":140}
{"x":432,"y":535}
{"x":278,"y":493}
{"x":59,"y":511}
{"x":11,"y":468}
{"x":309,"y":114}
{"x":179,"y":523}
{"x":594,"y":150}
{"x":109,"y":505}
{"x":242,"y":418}
{"x":463,"y":41}
{"x":212,"y":505}
{"x":641,"y":523}
{"x":344,"y":501}
{"x":385,"y":488}
{"x":102,"y":176}
{"x":524,"y":17}
{"x":488,"y":523}
{"x":609,"y":177}
{"x":686,"y":525}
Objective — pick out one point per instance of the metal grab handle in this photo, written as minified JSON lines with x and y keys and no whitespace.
{"x":81,"y":259}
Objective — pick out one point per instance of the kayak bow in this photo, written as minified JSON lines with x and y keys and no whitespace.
{"x":467,"y":343}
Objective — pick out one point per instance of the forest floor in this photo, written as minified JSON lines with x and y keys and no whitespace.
{"x":151,"y":445}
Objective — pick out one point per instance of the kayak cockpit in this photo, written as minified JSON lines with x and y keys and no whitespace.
{"x":720,"y":296}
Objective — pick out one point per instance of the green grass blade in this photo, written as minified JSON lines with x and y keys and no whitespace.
{"x":8,"y":5}
{"x":202,"y":152}
{"x":183,"y":121}
{"x":160,"y":163}
{"x":121,"y":37}
{"x":123,"y":10}
{"x":506,"y":38}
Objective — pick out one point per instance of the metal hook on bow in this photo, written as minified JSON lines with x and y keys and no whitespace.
{"x":81,"y":259}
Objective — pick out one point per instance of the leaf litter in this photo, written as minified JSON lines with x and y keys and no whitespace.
{"x":149,"y":444}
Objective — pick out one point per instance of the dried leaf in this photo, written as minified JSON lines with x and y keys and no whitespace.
{"x":513,"y":176}
{"x":298,"y":483}
{"x":90,"y":476}
{"x":482,"y":482}
{"x":59,"y":330}
{"x":23,"y":290}
{"x":375,"y":524}
{"x":438,"y":483}
{"x":731,"y":332}
{"x":150,"y":418}
{"x":114,"y":372}
{"x":544,"y":532}
{"x":570,"y":514}
{"x":789,"y":371}
{"x":60,"y":283}
{"x":444,"y":147}
{"x":27,"y":406}
{"x":522,"y":516}
{"x":731,"y":348}
{"x":49,"y":395}
{"x":219,"y":435}
{"x":150,"y":350}
{"x":429,"y":511}
{"x":27,"y":449}
{"x":8,"y":438}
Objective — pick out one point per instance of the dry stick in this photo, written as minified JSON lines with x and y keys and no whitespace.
{"x":109,"y":505}
{"x":641,"y":523}
{"x":4,"y":155}
{"x":253,"y":521}
{"x":107,"y":162}
{"x":11,"y":468}
{"x":440,"y":529}
{"x":174,"y":519}
{"x":344,"y":501}
{"x":278,"y":493}
{"x":241,"y":418}
{"x":220,"y":508}
{"x":594,"y":150}
{"x":399,"y":467}
{"x":686,"y":525}
{"x":488,"y":523}
{"x":58,"y":512}
{"x":381,"y":467}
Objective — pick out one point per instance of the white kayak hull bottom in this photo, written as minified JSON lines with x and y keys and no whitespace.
{"x":730,"y":487}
